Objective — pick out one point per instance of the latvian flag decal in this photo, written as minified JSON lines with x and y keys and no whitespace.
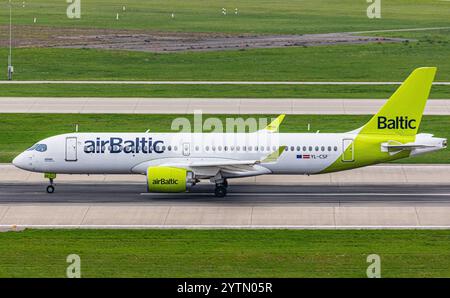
{"x":303,"y":156}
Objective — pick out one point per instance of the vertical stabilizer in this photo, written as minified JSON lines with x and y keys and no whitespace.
{"x":402,"y":113}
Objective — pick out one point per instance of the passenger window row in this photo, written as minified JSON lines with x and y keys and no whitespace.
{"x":145,"y":148}
{"x":312,"y":148}
{"x":237,"y":148}
{"x":268,"y":148}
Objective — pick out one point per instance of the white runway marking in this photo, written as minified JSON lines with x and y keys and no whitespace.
{"x":203,"y":83}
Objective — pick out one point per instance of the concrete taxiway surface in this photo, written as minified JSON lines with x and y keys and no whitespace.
{"x":128,"y":206}
{"x":206,"y":105}
{"x":391,"y":174}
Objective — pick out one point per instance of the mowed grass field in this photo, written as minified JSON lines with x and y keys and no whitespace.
{"x":211,"y":91}
{"x":225,"y":253}
{"x":364,"y":62}
{"x":374,"y":62}
{"x":369,"y":62}
{"x":19,"y":131}
{"x":254,"y":16}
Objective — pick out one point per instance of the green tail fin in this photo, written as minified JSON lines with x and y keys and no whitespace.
{"x":402,"y":113}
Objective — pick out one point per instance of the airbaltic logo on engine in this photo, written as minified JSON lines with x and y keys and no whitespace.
{"x":163,"y":181}
{"x":401,"y":122}
{"x":118,"y":145}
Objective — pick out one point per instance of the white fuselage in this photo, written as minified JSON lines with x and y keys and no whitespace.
{"x":134,"y":153}
{"x":92,"y":153}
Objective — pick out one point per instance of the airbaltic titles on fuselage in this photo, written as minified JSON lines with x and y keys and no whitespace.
{"x":119,"y":145}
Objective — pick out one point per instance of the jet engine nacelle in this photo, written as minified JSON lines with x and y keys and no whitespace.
{"x":169,"y":179}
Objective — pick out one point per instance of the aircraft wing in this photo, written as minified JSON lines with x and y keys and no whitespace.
{"x":210,"y":167}
{"x":272,"y":157}
{"x":207,"y":169}
{"x":228,"y":167}
{"x":220,"y":163}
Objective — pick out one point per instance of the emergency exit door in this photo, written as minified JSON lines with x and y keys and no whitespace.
{"x":349,"y":150}
{"x":71,"y":149}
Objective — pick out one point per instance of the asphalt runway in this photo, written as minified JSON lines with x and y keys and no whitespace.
{"x":238,"y":195}
{"x":128,"y":206}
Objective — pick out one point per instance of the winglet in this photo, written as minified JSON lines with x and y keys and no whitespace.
{"x":275,"y":124}
{"x":273,"y":157}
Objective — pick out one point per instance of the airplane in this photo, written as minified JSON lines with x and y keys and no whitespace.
{"x":175,"y":162}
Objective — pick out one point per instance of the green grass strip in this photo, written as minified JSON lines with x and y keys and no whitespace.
{"x":225,"y":253}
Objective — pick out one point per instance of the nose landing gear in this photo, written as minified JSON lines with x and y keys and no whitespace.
{"x":51,"y":177}
{"x":50,"y":188}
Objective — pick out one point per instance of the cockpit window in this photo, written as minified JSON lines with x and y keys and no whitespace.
{"x":41,"y":148}
{"x":32,"y":147}
{"x":38,"y":147}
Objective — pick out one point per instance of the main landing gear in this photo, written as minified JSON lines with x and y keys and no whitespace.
{"x":51,"y":177}
{"x":221,"y":189}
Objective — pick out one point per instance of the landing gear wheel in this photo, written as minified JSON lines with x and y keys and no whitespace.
{"x":50,"y":189}
{"x":220,"y":191}
{"x":225,"y":183}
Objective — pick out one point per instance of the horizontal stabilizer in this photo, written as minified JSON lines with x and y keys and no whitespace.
{"x":386,"y":147}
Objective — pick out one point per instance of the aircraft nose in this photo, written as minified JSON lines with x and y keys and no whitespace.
{"x":19,"y":161}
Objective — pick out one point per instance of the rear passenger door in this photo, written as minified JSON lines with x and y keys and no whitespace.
{"x":348,"y":149}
